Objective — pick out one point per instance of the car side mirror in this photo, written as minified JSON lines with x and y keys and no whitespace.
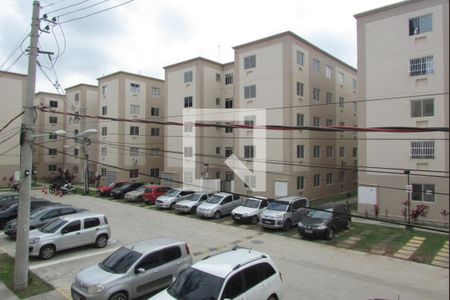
{"x":140,"y":271}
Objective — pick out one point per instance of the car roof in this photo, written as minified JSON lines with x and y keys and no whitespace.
{"x":223,"y":194}
{"x":8,"y":195}
{"x":56,"y":206}
{"x":224,"y":263}
{"x":77,"y":216}
{"x":289,"y":199}
{"x":330,"y":205}
{"x":145,"y":246}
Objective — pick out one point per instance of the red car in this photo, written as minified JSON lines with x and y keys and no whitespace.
{"x":105,"y":190}
{"x":153,"y":192}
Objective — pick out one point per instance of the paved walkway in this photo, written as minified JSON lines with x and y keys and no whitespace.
{"x":441,"y":259}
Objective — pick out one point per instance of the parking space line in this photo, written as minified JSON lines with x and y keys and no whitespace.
{"x":54,"y":262}
{"x":65,"y":293}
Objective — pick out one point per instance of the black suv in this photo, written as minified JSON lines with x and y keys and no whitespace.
{"x":324,"y":221}
{"x":119,"y":193}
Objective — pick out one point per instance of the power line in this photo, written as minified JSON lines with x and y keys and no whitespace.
{"x":97,"y":12}
{"x":83,"y":8}
{"x":19,"y":44}
{"x":12,"y":120}
{"x":66,"y":7}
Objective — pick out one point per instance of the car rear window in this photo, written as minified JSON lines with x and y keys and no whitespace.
{"x":91,"y":222}
{"x":170,"y":254}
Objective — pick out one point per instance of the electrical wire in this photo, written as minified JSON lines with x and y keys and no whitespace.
{"x":97,"y":12}
{"x":83,"y":8}
{"x":19,"y":45}
{"x":10,"y":121}
{"x":66,"y":7}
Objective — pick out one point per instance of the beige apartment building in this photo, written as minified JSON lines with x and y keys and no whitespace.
{"x":282,"y":80}
{"x":403,"y":61}
{"x":12,"y":87}
{"x":128,"y":149}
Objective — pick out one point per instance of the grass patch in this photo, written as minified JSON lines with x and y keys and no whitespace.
{"x":332,"y":198}
{"x":36,"y":285}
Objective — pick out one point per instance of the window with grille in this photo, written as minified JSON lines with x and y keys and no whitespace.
{"x":188,"y":101}
{"x":422,"y":149}
{"x":188,"y":77}
{"x":250,"y":62}
{"x":422,"y":108}
{"x":420,"y":24}
{"x":250,"y":91}
{"x":421,"y":66}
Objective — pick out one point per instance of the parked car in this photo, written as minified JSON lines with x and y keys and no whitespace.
{"x":236,"y":274}
{"x":153,"y":192}
{"x":283,"y":212}
{"x":133,"y":270}
{"x":218,"y":205}
{"x":69,"y":232}
{"x":9,"y":212}
{"x":119,"y":193}
{"x":6,"y":199}
{"x":189,"y":203}
{"x":135,"y":196}
{"x":171,"y":197}
{"x":325,"y":221}
{"x":250,"y":210}
{"x":41,"y":216}
{"x":104,"y":191}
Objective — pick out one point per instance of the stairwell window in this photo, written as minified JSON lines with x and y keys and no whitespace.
{"x":316,"y":65}
{"x":188,"y":152}
{"x":316,"y":94}
{"x":300,"y":58}
{"x":301,"y":151}
{"x":316,"y":151}
{"x":134,"y":109}
{"x":341,"y":78}
{"x":104,"y":131}
{"x":249,"y":151}
{"x":104,"y":110}
{"x":154,"y":112}
{"x":250,"y":92}
{"x":300,"y":89}
{"x":420,"y":24}
{"x":316,"y":180}
{"x":156,"y":92}
{"x":229,"y":103}
{"x":154,"y":132}
{"x":300,"y":182}
{"x":422,"y":108}
{"x":328,"y":72}
{"x":250,"y":62}
{"x":188,"y":77}
{"x":228,"y":79}
{"x":421,"y":66}
{"x":422,"y":150}
{"x":316,"y":121}
{"x":135,"y":88}
{"x":53,"y":103}
{"x":329,"y":98}
{"x":300,"y":120}
{"x":188,"y":101}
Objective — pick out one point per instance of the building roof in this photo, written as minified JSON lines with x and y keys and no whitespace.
{"x":3,"y":73}
{"x":385,"y":8}
{"x":81,"y":85}
{"x":194,"y":60}
{"x":128,"y":74}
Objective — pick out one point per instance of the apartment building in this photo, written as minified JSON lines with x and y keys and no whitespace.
{"x":126,"y":150}
{"x":403,"y":58}
{"x":82,"y":98}
{"x":12,"y":87}
{"x":289,"y":82}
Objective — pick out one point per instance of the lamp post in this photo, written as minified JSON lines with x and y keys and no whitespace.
{"x":408,"y":203}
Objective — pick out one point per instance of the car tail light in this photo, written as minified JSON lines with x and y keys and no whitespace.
{"x":281,"y":277}
{"x":187,"y":249}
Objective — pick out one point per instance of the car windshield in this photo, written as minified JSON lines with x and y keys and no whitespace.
{"x":140,"y":189}
{"x":53,"y":226}
{"x":252,"y":203}
{"x":125,"y":186}
{"x":214,"y":199}
{"x":194,"y":284}
{"x":280,"y":206}
{"x":173,"y":193}
{"x":120,"y":261}
{"x":319,"y":214}
{"x":191,"y":197}
{"x":37,"y":213}
{"x":8,"y":206}
{"x":112,"y":184}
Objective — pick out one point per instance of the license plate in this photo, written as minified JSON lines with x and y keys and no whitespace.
{"x":308,"y":231}
{"x":267,"y":222}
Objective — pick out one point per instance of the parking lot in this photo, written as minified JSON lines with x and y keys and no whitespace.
{"x":310,"y":270}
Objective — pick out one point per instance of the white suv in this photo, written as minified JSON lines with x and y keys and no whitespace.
{"x":237,"y":274}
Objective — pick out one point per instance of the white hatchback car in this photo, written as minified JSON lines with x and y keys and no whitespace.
{"x":250,"y":210}
{"x":237,"y":274}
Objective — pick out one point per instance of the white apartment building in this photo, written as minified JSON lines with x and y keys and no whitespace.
{"x":295,"y":84}
{"x":12,"y":87}
{"x":127,"y":149}
{"x":403,"y":59}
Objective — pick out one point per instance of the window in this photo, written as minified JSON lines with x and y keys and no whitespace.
{"x":170,"y":254}
{"x":421,"y":66}
{"x":52,"y":151}
{"x":218,"y":77}
{"x":53,"y":120}
{"x":420,"y":24}
{"x":154,"y":172}
{"x":355,"y":152}
{"x":188,"y":77}
{"x":249,"y":151}
{"x":300,"y":182}
{"x":328,"y":72}
{"x":329,"y":122}
{"x":228,"y":79}
{"x":52,"y":136}
{"x":134,"y":151}
{"x":316,"y":180}
{"x":300,"y":58}
{"x":341,"y":151}
{"x":217,"y":101}
{"x":316,"y":151}
{"x":77,"y":97}
{"x":249,"y":120}
{"x":104,"y":151}
{"x":329,"y":151}
{"x":135,"y":88}
{"x":300,"y":151}
{"x":154,"y":111}
{"x":316,"y":94}
{"x":300,"y":89}
{"x":250,"y":92}
{"x":341,"y":102}
{"x":422,"y":192}
{"x":316,"y":121}
{"x":150,"y":261}
{"x":134,"y":173}
{"x":341,"y":176}
{"x":329,"y":178}
{"x":250,"y":62}
{"x":53,"y":103}
{"x":300,"y":120}
{"x":341,"y":78}
{"x":422,"y":108}
{"x":188,"y":101}
{"x":72,"y":227}
{"x":104,"y":90}
{"x":91,"y":222}
{"x":187,"y":151}
{"x":355,"y":107}
{"x":316,"y":65}
{"x":217,"y":150}
{"x":250,"y":181}
{"x":103,"y":170}
{"x":76,"y":152}
{"x":228,"y":151}
{"x":228,"y":129}
{"x":329,"y":98}
{"x":104,"y":131}
{"x":154,"y":132}
{"x":354,"y":83}
{"x":229,"y":103}
{"x":154,"y":152}
{"x":104,"y":110}
{"x":52,"y":168}
{"x":187,"y":128}
{"x":234,"y":287}
{"x":156,"y":92}
{"x":134,"y":109}
{"x":134,"y":130}
{"x":422,"y":149}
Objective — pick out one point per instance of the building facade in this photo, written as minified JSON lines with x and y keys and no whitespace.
{"x":403,"y":66}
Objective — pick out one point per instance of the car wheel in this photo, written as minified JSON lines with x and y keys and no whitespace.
{"x":193,"y":210}
{"x":140,"y":199}
{"x":101,"y":241}
{"x":287,"y":225}
{"x":119,"y":296}
{"x":47,"y":252}
{"x":254,"y":220}
{"x":330,"y":234}
{"x":172,"y":205}
{"x":272,"y":297}
{"x":217,"y":215}
{"x":349,"y":224}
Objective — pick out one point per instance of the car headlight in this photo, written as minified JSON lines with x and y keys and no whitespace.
{"x":322,"y":227}
{"x":279,"y":217}
{"x":300,"y":224}
{"x":245,"y":215}
{"x":34,"y":240}
{"x":95,"y":289}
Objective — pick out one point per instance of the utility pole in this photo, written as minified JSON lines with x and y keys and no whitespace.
{"x":84,"y":153}
{"x":26,"y":142}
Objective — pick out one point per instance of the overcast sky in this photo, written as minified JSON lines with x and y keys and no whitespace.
{"x":143,"y":36}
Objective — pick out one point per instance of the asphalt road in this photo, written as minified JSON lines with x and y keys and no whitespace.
{"x":310,"y":270}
